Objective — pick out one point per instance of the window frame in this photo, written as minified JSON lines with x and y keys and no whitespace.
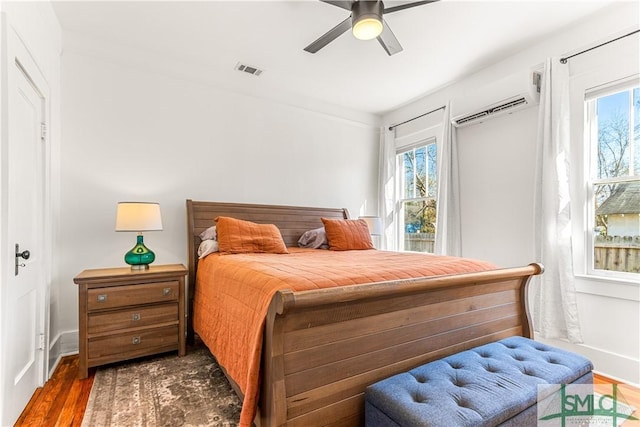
{"x":400,"y":194}
{"x":590,"y":178}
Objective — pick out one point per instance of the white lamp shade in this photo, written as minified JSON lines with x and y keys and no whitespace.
{"x":138,"y":216}
{"x":374,"y":223}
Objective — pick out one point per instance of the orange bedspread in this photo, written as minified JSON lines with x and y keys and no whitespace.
{"x":233,"y":292}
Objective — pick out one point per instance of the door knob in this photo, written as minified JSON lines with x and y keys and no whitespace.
{"x":24,"y":255}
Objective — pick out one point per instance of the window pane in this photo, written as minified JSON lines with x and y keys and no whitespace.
{"x":613,"y":135}
{"x":409,"y":174}
{"x":617,"y":227}
{"x":636,"y":131}
{"x":421,"y":172}
{"x":419,"y":218}
{"x":432,"y":168}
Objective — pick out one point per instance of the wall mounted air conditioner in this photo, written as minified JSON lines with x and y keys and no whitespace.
{"x":504,"y":96}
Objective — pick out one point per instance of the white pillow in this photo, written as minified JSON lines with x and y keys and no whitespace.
{"x":207,"y":247}
{"x":209,"y":234}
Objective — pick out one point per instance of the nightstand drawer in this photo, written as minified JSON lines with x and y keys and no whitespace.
{"x":134,"y":344}
{"x":122,"y":296}
{"x":131,"y":318}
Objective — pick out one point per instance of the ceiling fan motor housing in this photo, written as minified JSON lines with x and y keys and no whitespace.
{"x":366,"y":11}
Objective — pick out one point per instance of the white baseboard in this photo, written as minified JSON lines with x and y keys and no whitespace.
{"x":64,"y":344}
{"x":615,"y":366}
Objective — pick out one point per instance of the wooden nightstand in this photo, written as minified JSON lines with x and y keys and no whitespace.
{"x":125,"y":313}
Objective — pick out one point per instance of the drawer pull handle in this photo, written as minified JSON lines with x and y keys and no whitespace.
{"x":135,"y":340}
{"x":135,"y":317}
{"x":166,"y":292}
{"x":102,"y":298}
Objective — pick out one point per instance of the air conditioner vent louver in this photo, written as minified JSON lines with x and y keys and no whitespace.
{"x":491,"y":111}
{"x":255,"y":71}
{"x":472,"y":117}
{"x":509,"y":105}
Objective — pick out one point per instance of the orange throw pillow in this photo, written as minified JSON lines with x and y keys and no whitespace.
{"x":236,"y":236}
{"x":347,"y":234}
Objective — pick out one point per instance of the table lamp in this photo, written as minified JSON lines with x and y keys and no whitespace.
{"x":375,"y":228}
{"x":139,"y":217}
{"x":374,"y":223}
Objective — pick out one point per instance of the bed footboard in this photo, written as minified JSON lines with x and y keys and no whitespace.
{"x":324,"y":347}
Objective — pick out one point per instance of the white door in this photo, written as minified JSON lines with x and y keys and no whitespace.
{"x":24,"y":292}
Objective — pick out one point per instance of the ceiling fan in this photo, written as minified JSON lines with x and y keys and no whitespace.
{"x":366,"y":23}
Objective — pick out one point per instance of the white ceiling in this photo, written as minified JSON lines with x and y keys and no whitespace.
{"x":442,"y":42}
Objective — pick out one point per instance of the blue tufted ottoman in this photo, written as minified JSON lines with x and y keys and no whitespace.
{"x":494,"y":384}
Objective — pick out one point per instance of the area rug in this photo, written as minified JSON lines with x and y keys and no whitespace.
{"x":163,"y":391}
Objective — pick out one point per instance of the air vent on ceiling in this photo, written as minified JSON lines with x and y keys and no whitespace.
{"x":248,"y":69}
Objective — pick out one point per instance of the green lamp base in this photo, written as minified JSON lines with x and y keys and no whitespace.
{"x":140,"y":256}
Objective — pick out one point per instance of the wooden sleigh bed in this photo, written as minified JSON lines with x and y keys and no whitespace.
{"x":322,"y":348}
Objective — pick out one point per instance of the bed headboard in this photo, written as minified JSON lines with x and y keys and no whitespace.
{"x":291,"y":220}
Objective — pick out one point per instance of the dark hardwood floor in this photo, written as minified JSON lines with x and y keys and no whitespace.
{"x":63,"y":399}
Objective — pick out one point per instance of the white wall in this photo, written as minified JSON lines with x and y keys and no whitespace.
{"x":496,"y":173}
{"x":131,"y":133}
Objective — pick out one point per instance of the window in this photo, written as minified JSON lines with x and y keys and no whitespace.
{"x":417,"y":178}
{"x":613,"y":133}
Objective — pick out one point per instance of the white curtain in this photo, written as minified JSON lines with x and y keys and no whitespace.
{"x":448,"y":237}
{"x":387,"y":187}
{"x":555,"y":313}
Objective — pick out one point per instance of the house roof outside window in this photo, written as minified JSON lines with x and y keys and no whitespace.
{"x":625,"y":200}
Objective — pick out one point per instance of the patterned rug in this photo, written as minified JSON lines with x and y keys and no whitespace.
{"x":163,"y":391}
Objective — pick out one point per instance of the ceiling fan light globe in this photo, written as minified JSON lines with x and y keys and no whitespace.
{"x":367,"y":28}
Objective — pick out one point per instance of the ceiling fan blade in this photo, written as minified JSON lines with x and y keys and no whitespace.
{"x":388,"y":40}
{"x":407,"y":6}
{"x":344,"y":4}
{"x":329,"y":36}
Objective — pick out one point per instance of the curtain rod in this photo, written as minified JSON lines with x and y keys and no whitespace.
{"x":392,"y":127}
{"x":566,"y":58}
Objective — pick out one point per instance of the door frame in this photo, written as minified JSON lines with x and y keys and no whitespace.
{"x":18,"y":57}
